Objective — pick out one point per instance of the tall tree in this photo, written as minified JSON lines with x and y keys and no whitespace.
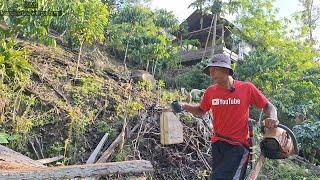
{"x":309,"y":18}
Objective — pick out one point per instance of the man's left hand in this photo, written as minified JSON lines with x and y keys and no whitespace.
{"x":271,"y":122}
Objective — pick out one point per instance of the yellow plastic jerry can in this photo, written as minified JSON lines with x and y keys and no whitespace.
{"x":171,"y":129}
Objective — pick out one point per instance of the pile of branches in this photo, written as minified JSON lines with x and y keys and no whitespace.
{"x":188,"y":160}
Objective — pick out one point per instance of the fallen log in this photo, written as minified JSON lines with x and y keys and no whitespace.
{"x":50,"y":160}
{"x":94,"y":154}
{"x":9,"y":155}
{"x":79,"y":171}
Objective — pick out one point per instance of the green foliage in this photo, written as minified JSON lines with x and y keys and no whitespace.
{"x":145,"y":85}
{"x":277,"y":76}
{"x":306,"y":21}
{"x":283,"y":68}
{"x":137,"y":31}
{"x":79,"y":122}
{"x":168,"y":96}
{"x":203,"y":174}
{"x":13,"y":65}
{"x":193,"y":79}
{"x":160,"y":84}
{"x":120,"y":156}
{"x":166,"y":20}
{"x":130,"y":108}
{"x":4,"y":138}
{"x":55,"y":149}
{"x":90,"y":84}
{"x":276,"y":169}
{"x":308,"y":135}
{"x":104,"y":127}
{"x":86,"y":21}
{"x":31,"y":26}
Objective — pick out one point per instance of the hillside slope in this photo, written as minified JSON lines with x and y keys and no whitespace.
{"x":59,"y":114}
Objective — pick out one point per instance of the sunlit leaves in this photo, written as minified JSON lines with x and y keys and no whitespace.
{"x":146,"y":34}
{"x":87,"y":20}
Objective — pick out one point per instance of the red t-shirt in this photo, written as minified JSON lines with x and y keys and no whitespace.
{"x":230,"y":110}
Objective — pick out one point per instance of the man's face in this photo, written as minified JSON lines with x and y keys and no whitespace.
{"x":218,"y":74}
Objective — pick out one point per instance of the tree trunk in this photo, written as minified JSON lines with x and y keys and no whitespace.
{"x":125,"y":55}
{"x":9,"y":156}
{"x":79,"y":57}
{"x":310,"y":21}
{"x":214,"y":33}
{"x":148,"y":61}
{"x":205,"y":47}
{"x":77,"y":171}
{"x":154,"y":68}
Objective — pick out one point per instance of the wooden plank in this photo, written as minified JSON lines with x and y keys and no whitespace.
{"x":50,"y":160}
{"x":78,"y":171}
{"x":96,"y":151}
{"x":9,"y":155}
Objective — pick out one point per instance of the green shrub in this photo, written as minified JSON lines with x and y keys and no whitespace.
{"x":308,"y":136}
{"x":277,"y":169}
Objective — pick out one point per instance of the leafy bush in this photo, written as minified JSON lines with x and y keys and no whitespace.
{"x":136,"y":34}
{"x":308,"y":136}
{"x":194,"y":79}
{"x":290,"y":84}
{"x":277,"y":169}
{"x":13,"y":65}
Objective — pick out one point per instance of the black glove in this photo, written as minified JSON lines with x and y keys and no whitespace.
{"x":176,"y":106}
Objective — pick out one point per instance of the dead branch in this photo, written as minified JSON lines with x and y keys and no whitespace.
{"x":34,"y":149}
{"x":94,"y":154}
{"x":50,"y":160}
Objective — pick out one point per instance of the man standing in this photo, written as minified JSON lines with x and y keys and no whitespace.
{"x":229,"y":101}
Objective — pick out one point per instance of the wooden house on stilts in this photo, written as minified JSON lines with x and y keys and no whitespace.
{"x":225,"y":42}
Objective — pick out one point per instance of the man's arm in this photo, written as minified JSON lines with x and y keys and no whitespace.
{"x":270,"y":111}
{"x":193,"y":109}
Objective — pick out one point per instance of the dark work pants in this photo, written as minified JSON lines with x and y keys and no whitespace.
{"x":228,"y":161}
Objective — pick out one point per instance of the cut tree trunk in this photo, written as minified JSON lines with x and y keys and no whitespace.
{"x":77,"y":171}
{"x":10,"y":156}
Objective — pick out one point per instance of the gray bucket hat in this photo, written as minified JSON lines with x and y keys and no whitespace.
{"x":219,"y":60}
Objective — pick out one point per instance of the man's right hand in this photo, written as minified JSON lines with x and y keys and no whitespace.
{"x":270,"y":123}
{"x":177,"y":106}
